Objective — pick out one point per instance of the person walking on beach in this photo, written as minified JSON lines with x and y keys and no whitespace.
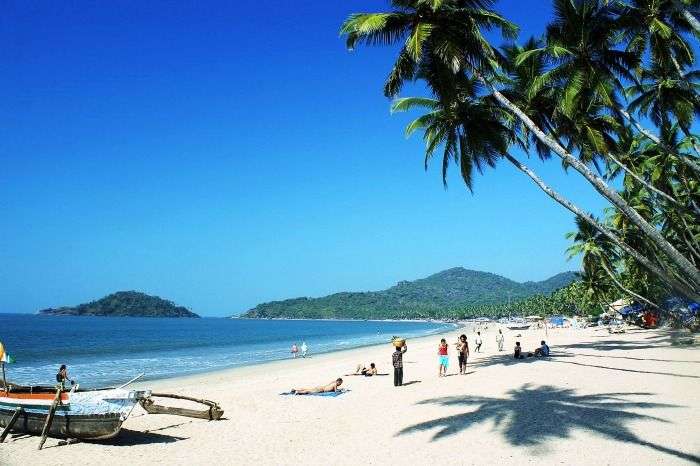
{"x":463,"y":353}
{"x":304,"y":349}
{"x":295,"y":350}
{"x":397,"y":362}
{"x":443,"y":359}
{"x":478,"y":342}
{"x":499,"y":340}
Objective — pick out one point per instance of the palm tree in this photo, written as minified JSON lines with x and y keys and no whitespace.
{"x":446,"y":31}
{"x":473,"y":134}
{"x":598,"y":251}
{"x":449,"y":37}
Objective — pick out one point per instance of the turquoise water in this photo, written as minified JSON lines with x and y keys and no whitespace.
{"x":101,"y":351}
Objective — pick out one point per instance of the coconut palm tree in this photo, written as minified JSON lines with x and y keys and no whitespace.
{"x":447,"y":35}
{"x":597,"y":251}
{"x":447,"y":31}
{"x":473,"y":134}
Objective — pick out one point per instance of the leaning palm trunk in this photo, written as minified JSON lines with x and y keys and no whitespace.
{"x":653,"y":138}
{"x":688,"y":16}
{"x":599,"y":184}
{"x":676,"y":285}
{"x":644,"y":182}
{"x":624,"y":289}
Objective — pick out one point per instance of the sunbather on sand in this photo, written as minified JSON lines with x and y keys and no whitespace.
{"x":331,"y":387}
{"x":362,"y":370}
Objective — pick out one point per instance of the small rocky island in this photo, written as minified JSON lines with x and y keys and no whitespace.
{"x":124,"y":304}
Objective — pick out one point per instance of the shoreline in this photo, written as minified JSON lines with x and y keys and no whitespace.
{"x":326,"y":355}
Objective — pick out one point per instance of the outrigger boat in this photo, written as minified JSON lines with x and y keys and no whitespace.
{"x":77,"y":414}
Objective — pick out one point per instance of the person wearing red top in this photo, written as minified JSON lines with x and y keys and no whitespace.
{"x":443,"y":358}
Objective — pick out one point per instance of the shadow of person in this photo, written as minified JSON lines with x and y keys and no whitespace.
{"x":553,"y":413}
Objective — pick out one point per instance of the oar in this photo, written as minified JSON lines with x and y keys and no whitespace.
{"x":131,"y":381}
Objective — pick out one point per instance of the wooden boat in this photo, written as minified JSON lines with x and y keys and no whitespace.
{"x":518,"y":325}
{"x":80,"y":414}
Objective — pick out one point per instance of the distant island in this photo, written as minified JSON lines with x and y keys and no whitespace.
{"x":124,"y":304}
{"x":452,"y":293}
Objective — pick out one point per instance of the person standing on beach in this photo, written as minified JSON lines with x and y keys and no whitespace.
{"x":397,"y":362}
{"x":443,"y":359}
{"x":463,"y":353}
{"x":304,"y":349}
{"x":499,"y":340}
{"x":295,"y":350}
{"x":62,"y":376}
{"x":478,"y":342}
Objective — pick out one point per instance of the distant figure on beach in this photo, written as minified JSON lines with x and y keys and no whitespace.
{"x":542,"y":351}
{"x":462,"y":353}
{"x":62,"y":376}
{"x":499,"y":340}
{"x":367,"y":372}
{"x":443,"y":358}
{"x":397,"y":362}
{"x":478,"y":342}
{"x":331,"y":387}
{"x":517,"y":353}
{"x":304,"y":349}
{"x":295,"y":350}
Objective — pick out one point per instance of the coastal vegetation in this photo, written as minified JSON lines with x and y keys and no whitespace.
{"x":452,"y":293}
{"x":608,"y":88}
{"x":124,"y":304}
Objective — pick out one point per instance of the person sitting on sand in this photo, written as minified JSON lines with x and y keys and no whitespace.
{"x":543,"y":350}
{"x":331,"y":387}
{"x":367,"y":372}
{"x":517,"y":353}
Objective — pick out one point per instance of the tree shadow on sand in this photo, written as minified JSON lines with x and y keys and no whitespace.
{"x":531,"y":416}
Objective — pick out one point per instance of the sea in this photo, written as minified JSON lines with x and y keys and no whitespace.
{"x":108,"y":351}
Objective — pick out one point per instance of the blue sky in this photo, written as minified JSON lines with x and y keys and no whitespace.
{"x":221,"y":154}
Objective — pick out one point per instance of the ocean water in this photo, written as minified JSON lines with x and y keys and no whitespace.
{"x":104,"y":351}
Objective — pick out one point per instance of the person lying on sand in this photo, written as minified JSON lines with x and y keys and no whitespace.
{"x":362,"y":370}
{"x":331,"y":387}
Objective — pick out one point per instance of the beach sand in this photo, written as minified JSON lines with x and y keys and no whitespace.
{"x":629,"y":398}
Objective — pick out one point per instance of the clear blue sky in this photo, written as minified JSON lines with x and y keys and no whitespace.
{"x":221,"y":154}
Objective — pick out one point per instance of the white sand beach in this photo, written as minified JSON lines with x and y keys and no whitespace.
{"x":629,"y":398}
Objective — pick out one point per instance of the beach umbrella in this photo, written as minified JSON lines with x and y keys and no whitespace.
{"x":4,"y":359}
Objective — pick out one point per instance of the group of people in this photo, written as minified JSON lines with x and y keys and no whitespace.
{"x":295,"y":350}
{"x":542,"y":351}
{"x":462,"y":347}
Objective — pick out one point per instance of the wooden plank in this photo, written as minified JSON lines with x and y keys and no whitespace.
{"x":14,"y":418}
{"x":49,"y":418}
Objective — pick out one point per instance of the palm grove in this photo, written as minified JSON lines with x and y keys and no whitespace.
{"x":608,"y":89}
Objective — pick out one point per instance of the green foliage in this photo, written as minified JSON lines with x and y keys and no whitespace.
{"x":448,"y":294}
{"x":124,"y":304}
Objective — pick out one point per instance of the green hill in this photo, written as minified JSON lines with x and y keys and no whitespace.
{"x":124,"y":304}
{"x":432,"y":296}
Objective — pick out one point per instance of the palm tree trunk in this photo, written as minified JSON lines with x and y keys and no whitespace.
{"x":653,"y":138}
{"x":653,"y":268}
{"x":599,"y":184}
{"x":625,"y":290}
{"x":694,"y":23}
{"x":644,"y":182}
